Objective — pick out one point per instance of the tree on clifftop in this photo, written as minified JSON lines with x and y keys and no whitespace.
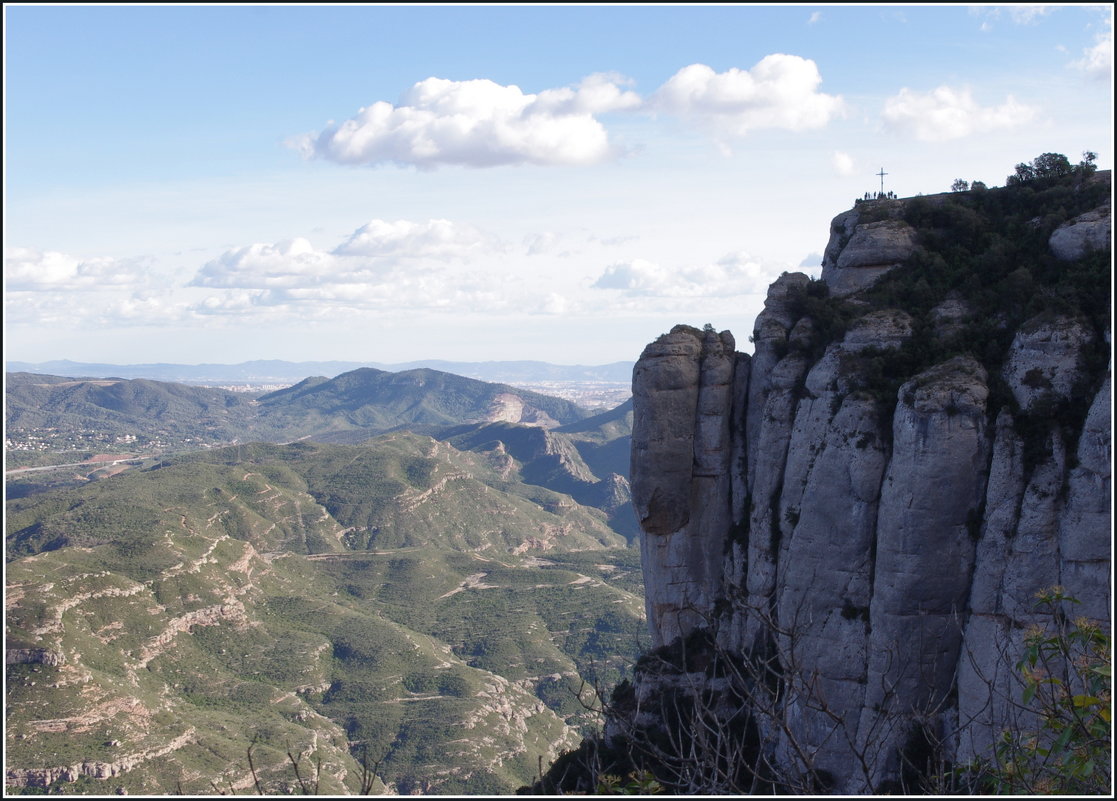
{"x":1051,"y":165}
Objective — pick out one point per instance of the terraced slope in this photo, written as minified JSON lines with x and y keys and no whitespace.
{"x":402,"y":599}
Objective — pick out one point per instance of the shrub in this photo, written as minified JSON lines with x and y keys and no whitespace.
{"x":1067,"y":676}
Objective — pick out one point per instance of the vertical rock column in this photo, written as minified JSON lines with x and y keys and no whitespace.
{"x":682,"y":389}
{"x":924,"y":561}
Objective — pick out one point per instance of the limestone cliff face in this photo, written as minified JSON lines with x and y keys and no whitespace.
{"x":881,"y":552}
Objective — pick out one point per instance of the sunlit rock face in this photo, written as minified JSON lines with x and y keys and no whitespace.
{"x":681,"y":473}
{"x":882,"y":543}
{"x":1085,"y":233}
{"x":859,"y":253}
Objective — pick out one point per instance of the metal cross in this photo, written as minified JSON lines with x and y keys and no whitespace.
{"x":882,"y":173}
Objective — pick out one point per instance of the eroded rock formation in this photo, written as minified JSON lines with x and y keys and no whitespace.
{"x":878,"y":553}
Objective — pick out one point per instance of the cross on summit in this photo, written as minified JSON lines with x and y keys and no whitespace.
{"x":881,"y":195}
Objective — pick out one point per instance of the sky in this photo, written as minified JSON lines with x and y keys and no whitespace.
{"x":217,"y":183}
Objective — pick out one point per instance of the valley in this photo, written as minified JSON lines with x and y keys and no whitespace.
{"x":432,"y":604}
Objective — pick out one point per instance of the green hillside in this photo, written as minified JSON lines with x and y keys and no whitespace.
{"x":47,"y":413}
{"x":376,"y":401}
{"x":402,"y":599}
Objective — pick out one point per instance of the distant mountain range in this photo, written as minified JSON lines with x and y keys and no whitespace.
{"x":62,"y":413}
{"x":272,"y":371}
{"x":329,"y":596}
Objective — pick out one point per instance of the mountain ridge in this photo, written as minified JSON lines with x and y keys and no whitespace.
{"x":146,"y":414}
{"x":276,"y":370}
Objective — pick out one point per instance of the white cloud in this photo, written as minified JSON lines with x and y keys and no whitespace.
{"x":814,"y":17}
{"x":554,"y":304}
{"x":638,"y":275}
{"x":733,"y":274}
{"x":538,"y":244}
{"x":599,"y":93}
{"x":401,"y":294}
{"x":480,"y":123}
{"x":30,"y":270}
{"x":811,"y":261}
{"x":946,"y":113}
{"x":293,"y":262}
{"x":477,"y":123}
{"x":145,"y":308}
{"x":780,"y":92}
{"x":1027,"y":14}
{"x":1019,"y":14}
{"x":843,"y":163}
{"x":388,"y":267}
{"x":1097,"y":61}
{"x":436,"y":239}
{"x":295,"y":271}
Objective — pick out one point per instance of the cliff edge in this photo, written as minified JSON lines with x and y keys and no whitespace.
{"x":844,"y":533}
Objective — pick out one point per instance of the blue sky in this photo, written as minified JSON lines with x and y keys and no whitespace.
{"x":221,"y":183}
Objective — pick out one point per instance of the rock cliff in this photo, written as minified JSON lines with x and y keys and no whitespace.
{"x":845,"y":531}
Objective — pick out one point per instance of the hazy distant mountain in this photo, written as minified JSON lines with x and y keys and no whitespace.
{"x":272,"y":371}
{"x":370,"y":400}
{"x":111,"y":414}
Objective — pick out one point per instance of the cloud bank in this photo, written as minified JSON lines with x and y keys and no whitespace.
{"x":30,"y":270}
{"x":391,"y":266}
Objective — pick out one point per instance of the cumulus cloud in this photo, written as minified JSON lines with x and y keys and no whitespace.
{"x":1097,"y":61}
{"x":145,"y":308}
{"x":733,"y":274}
{"x":436,"y":239}
{"x":30,"y":270}
{"x":843,"y":163}
{"x":293,"y":262}
{"x":480,"y":123}
{"x":946,"y":113}
{"x":390,"y":267}
{"x":780,"y":92}
{"x":477,"y":123}
{"x":638,"y":275}
{"x":369,"y":254}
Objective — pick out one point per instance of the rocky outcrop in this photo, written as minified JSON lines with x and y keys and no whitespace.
{"x":45,"y":777}
{"x":853,"y":565}
{"x":33,"y":656}
{"x":1045,"y":361}
{"x":859,"y":253}
{"x":688,"y":377}
{"x":1084,"y":234}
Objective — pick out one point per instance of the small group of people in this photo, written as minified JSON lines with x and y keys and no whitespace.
{"x":880,"y":195}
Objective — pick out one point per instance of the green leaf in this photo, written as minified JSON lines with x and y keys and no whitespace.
{"x":1029,"y":693}
{"x":1085,"y":700}
{"x":1064,"y":738}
